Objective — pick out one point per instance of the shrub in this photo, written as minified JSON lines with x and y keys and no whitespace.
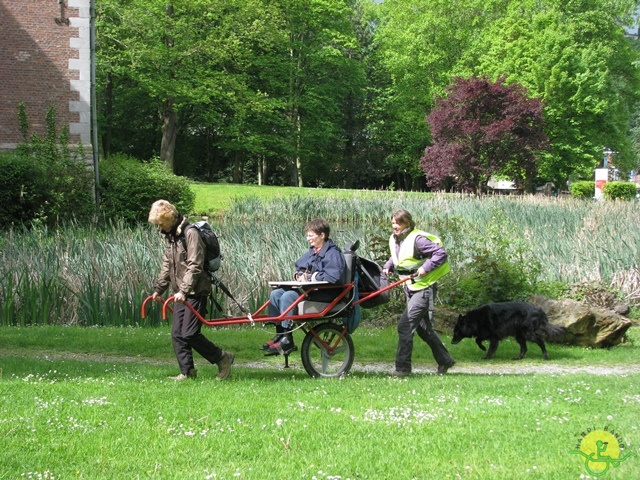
{"x":23,"y":184}
{"x":44,"y":181}
{"x":619,"y":190}
{"x":498,"y":267}
{"x":583,"y":189}
{"x":129,"y":186}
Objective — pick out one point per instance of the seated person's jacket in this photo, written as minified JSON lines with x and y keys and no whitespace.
{"x":327,"y":265}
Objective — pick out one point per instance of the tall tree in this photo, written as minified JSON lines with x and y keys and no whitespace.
{"x":418,"y":44}
{"x":575,"y":58}
{"x":322,"y":73}
{"x":187,"y":55}
{"x":482,"y":128}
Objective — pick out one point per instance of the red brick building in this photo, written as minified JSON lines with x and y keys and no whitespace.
{"x":45,"y":59}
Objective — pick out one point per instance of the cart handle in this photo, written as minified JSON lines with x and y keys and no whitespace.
{"x":172,"y":298}
{"x":149,"y":299}
{"x":388,"y":287}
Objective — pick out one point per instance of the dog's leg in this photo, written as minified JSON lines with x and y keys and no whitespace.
{"x":540,"y":343}
{"x":523,"y":348}
{"x":493,"y":346}
{"x":480,"y":344}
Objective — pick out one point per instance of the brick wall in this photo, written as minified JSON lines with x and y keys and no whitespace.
{"x":45,"y":62}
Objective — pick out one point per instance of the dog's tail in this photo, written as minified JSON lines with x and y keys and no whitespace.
{"x":555,"y":332}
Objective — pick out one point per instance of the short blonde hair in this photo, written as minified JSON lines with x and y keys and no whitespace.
{"x":162,"y":210}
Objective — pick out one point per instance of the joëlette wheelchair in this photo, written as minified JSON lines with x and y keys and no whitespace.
{"x":327,"y":349}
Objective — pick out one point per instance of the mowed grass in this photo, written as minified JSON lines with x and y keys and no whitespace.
{"x":95,"y":403}
{"x":214,"y":199}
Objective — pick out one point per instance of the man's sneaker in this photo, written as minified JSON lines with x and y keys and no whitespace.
{"x":192,"y":373}
{"x":224,"y":364}
{"x":442,"y":369}
{"x":400,"y":373}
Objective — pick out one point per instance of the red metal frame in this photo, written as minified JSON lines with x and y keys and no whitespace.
{"x":258,"y":316}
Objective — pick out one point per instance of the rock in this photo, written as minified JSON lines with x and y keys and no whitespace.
{"x":622,"y":309}
{"x":444,"y":320}
{"x":586,"y":325}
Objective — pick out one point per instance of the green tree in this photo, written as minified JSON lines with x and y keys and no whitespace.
{"x":244,"y":85}
{"x":419,"y":44}
{"x":574,"y":57}
{"x":188,"y":56}
{"x":323,"y":73}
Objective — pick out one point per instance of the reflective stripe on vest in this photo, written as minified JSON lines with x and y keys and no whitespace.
{"x":405,"y":261}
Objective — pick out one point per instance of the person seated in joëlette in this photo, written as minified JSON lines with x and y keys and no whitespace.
{"x":323,"y":262}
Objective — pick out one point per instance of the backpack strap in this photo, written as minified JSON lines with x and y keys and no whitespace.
{"x":183,"y":236}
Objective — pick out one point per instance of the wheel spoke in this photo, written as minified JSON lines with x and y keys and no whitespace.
{"x":327,"y":351}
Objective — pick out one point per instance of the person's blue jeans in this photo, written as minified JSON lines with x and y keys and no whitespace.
{"x":279,"y":301}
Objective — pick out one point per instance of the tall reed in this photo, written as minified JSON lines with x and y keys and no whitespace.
{"x":77,"y":275}
{"x":100,"y":275}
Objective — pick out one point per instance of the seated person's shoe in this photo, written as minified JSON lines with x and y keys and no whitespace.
{"x":271,"y":342}
{"x":283,"y":347}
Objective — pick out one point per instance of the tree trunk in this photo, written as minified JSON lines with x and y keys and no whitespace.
{"x":108,"y":114}
{"x":169,"y":115}
{"x":169,"y":133}
{"x":237,"y":167}
{"x":297,"y":180}
{"x":261,"y":170}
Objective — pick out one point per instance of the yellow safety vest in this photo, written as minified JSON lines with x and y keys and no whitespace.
{"x":404,"y":260}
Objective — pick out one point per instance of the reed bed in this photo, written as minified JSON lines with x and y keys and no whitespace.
{"x":100,"y":275}
{"x":575,"y":240}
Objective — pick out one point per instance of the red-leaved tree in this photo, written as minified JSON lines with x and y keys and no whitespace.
{"x":483,"y":128}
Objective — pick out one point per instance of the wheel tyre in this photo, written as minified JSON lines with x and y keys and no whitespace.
{"x":316,"y":358}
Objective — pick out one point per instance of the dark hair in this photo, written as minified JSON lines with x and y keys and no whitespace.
{"x":319,"y":226}
{"x":403,"y":218}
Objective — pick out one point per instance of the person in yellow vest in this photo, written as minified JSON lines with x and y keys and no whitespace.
{"x":414,"y":252}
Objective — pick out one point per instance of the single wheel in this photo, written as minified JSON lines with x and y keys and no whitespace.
{"x":327,"y":351}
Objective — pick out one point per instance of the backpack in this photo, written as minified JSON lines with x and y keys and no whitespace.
{"x":370,"y":279}
{"x":213,"y":256}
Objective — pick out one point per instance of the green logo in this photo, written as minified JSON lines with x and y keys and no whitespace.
{"x":601,"y":450}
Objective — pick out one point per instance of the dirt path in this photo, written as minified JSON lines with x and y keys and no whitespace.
{"x":517,"y":368}
{"x":465,"y":368}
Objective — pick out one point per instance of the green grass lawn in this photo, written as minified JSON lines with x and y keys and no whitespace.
{"x":95,"y":403}
{"x":215,"y":198}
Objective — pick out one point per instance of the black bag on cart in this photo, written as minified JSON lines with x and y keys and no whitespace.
{"x":371,"y":279}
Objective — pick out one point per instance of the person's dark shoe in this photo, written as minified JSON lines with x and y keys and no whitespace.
{"x":282,"y":347}
{"x":271,"y":342}
{"x":442,"y":369}
{"x":400,"y":373}
{"x":192,"y":373}
{"x":224,"y":364}
{"x":279,"y":334}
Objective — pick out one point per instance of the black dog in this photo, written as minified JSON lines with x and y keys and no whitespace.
{"x":495,"y":321}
